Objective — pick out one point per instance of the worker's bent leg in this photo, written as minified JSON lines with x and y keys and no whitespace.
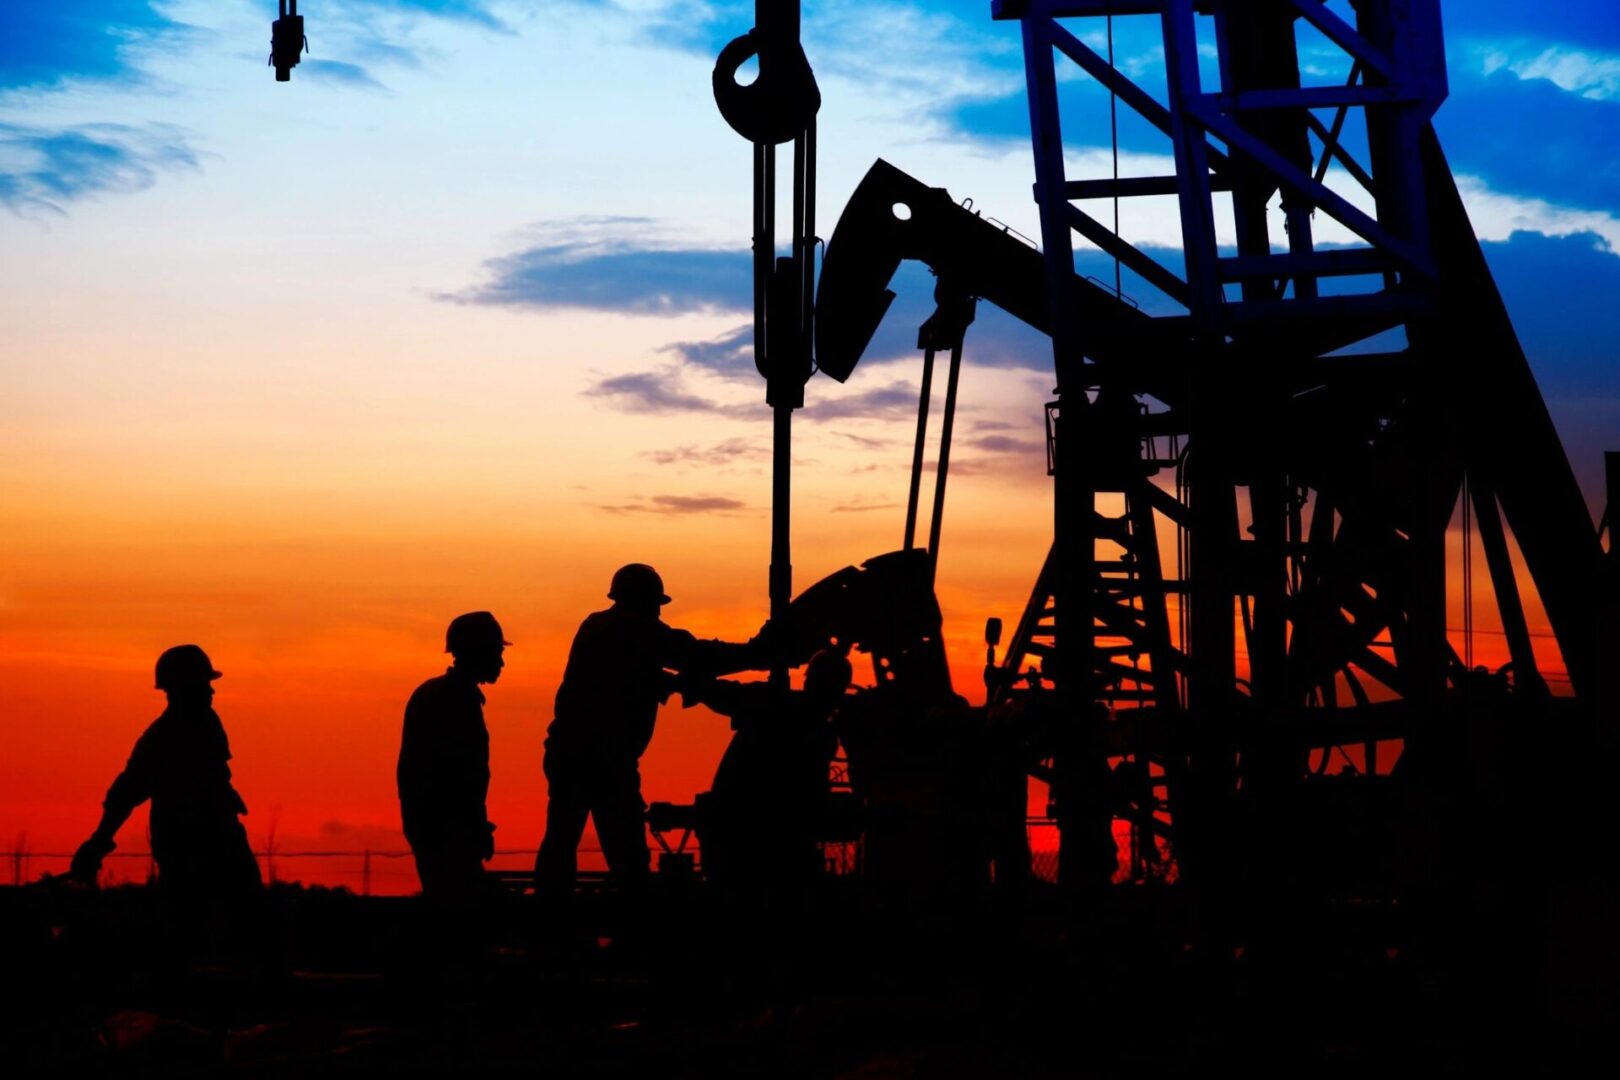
{"x":567,"y":809}
{"x":621,"y":825}
{"x":450,"y":874}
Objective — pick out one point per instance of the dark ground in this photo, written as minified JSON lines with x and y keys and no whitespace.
{"x":1041,"y":986}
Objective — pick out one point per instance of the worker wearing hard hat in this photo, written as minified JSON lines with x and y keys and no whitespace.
{"x":443,"y":771}
{"x":181,"y":763}
{"x":617,"y":675}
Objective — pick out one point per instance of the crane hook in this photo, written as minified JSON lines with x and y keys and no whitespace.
{"x":287,"y":40}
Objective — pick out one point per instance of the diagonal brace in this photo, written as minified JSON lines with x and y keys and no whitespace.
{"x":1286,"y":172}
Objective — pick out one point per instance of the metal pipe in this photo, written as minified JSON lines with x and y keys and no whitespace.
{"x":1509,"y":606}
{"x":946,"y":424}
{"x":924,"y":400}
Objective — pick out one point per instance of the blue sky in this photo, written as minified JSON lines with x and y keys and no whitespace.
{"x":562,"y":156}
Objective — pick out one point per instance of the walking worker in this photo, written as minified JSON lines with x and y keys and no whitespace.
{"x":181,"y":763}
{"x":443,"y":771}
{"x":618,"y":674}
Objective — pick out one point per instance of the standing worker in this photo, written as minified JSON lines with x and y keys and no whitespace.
{"x":443,"y":769}
{"x":771,"y":793}
{"x":181,"y":764}
{"x":606,"y":707}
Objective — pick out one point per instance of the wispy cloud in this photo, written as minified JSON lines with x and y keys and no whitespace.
{"x":661,"y":392}
{"x":865,"y":442}
{"x":1589,"y":74}
{"x":1003,"y":444}
{"x":42,"y":169}
{"x":677,"y":504}
{"x":473,"y":11}
{"x":863,"y":507}
{"x":731,"y":355}
{"x":715,"y":455}
{"x":45,"y":42}
{"x":892,"y":401}
{"x":624,"y":264}
{"x":341,"y":74}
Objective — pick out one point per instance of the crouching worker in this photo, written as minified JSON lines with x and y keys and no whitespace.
{"x":605,"y":711}
{"x":181,"y":763}
{"x":762,"y":817}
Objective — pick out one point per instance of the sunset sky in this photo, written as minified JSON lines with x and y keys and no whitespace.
{"x":457,"y":319}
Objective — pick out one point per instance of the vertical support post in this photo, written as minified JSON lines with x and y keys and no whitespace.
{"x":1192,"y":163}
{"x":1611,"y":470}
{"x":924,"y":399}
{"x":1608,"y":687}
{"x":1504,"y":583}
{"x":1086,"y":847}
{"x":948,"y":422}
{"x":1086,"y":857}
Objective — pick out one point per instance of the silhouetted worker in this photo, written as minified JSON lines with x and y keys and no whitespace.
{"x":181,"y":764}
{"x":443,"y":771}
{"x":605,"y":710}
{"x":769,"y":796}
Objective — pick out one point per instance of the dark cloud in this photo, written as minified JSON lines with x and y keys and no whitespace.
{"x":996,"y":339}
{"x":1003,"y":444}
{"x":659,"y":392}
{"x":340,"y":73}
{"x":861,"y":508}
{"x":46,"y":41}
{"x":1528,"y":137}
{"x":731,"y":355}
{"x":664,"y":392}
{"x":891,"y":401}
{"x":1560,"y":292}
{"x":678,"y":504}
{"x":1588,"y":22}
{"x":612,"y":274}
{"x":41,"y":168}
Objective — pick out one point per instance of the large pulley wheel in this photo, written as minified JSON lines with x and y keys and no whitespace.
{"x":777,"y":106}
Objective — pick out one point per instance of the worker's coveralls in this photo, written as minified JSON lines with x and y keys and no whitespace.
{"x":443,"y":777}
{"x":605,"y":711}
{"x":181,"y":764}
{"x":769,"y":796}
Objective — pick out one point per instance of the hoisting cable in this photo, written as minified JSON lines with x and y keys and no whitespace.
{"x":1113,"y":135}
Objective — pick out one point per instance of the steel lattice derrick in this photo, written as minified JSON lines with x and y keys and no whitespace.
{"x":1316,"y":486}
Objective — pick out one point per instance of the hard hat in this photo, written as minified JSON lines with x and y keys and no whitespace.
{"x":183,"y":665}
{"x":476,"y":631}
{"x":637,"y":583}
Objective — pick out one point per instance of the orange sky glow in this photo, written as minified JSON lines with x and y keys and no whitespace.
{"x":247,"y":405}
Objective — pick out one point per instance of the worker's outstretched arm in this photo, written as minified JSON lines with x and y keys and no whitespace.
{"x":711,"y":658}
{"x":132,"y":787}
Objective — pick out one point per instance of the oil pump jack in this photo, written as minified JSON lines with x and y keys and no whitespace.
{"x":1301,"y":420}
